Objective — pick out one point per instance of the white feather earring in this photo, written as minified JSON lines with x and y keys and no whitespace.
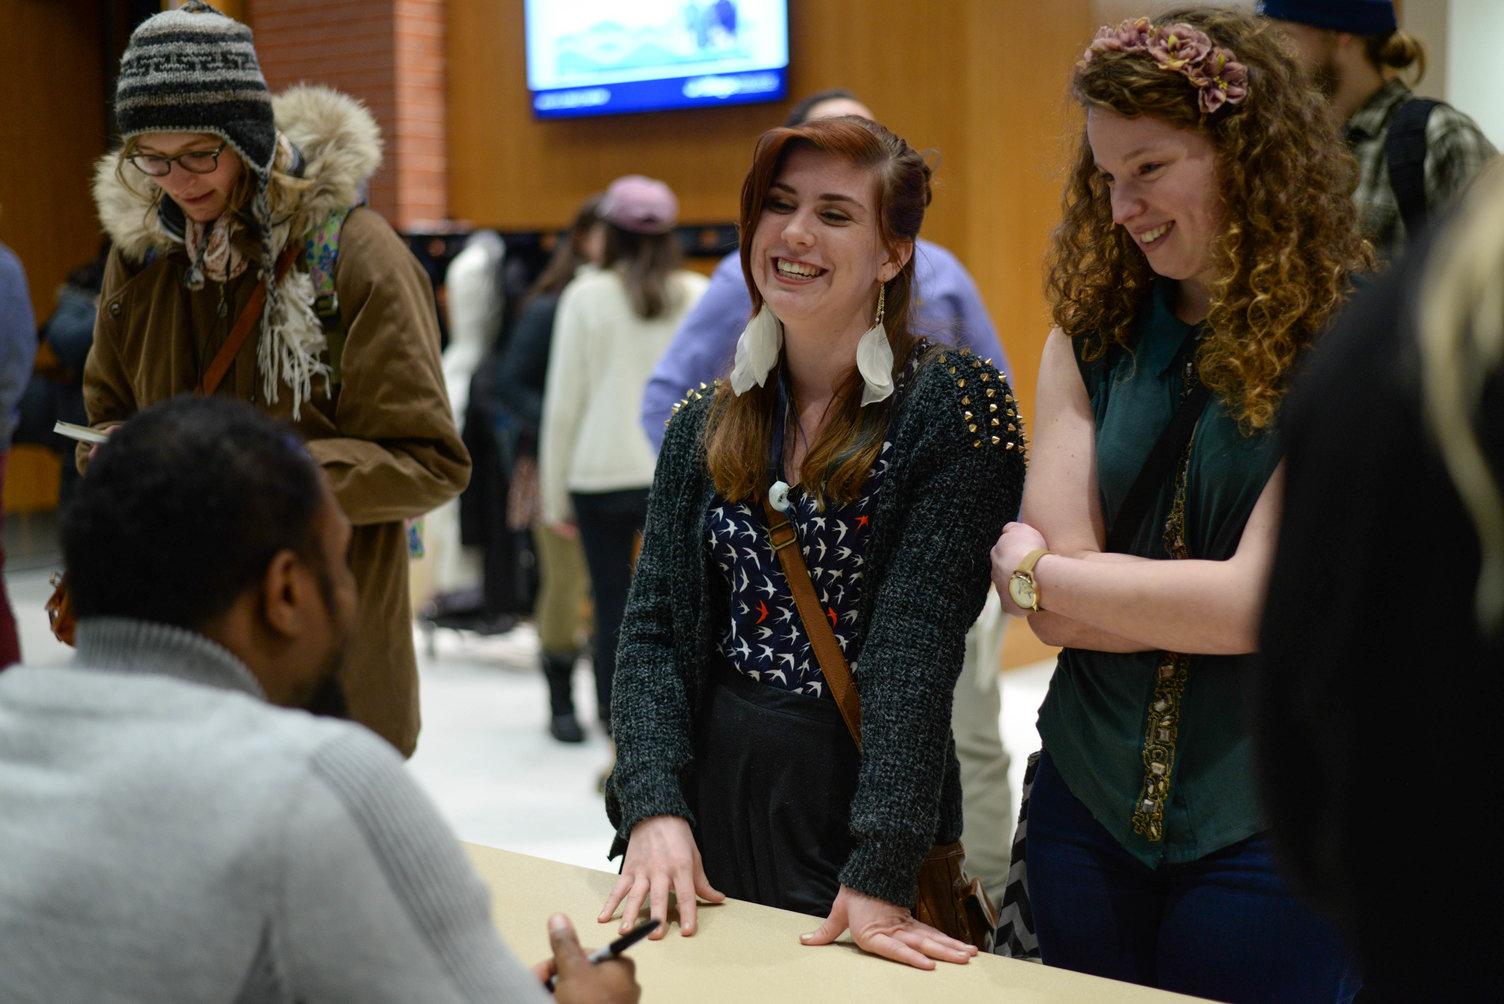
{"x":874,"y":357}
{"x":756,"y":351}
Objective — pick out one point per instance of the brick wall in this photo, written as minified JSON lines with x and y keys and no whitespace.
{"x":387,"y":53}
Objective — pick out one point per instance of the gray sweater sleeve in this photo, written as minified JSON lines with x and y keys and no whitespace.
{"x":380,"y":903}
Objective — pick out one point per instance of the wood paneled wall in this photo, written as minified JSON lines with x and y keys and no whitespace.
{"x":51,"y":128}
{"x":980,"y":82}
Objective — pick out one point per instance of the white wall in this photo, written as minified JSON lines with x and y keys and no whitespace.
{"x":1475,"y":63}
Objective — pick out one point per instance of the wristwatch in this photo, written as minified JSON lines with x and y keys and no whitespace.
{"x":1021,"y":586}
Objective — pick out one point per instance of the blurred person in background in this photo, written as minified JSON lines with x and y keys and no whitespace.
{"x":234,"y":207}
{"x":1379,"y":696}
{"x":1208,"y":238}
{"x":1415,"y":155}
{"x":594,"y":463}
{"x":18,"y":350}
{"x":521,"y":377}
{"x":892,"y":465}
{"x":56,"y":390}
{"x":947,"y":310}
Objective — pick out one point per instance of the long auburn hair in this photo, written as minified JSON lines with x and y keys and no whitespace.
{"x":1289,"y":247}
{"x":740,"y":428}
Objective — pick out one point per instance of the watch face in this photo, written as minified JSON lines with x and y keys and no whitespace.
{"x":1021,"y":588}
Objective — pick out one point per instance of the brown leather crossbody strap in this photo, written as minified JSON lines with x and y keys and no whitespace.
{"x":822,"y":637}
{"x":249,"y":315}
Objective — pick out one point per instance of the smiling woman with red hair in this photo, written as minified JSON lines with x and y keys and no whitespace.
{"x":889,"y":466}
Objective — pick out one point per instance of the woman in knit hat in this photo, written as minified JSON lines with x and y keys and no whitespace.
{"x":594,"y":461}
{"x":234,"y":213}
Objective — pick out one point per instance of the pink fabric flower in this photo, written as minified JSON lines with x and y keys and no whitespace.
{"x":1179,"y":46}
{"x":1218,"y":78}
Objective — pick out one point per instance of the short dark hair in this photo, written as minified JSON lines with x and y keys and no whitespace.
{"x":184,"y":508}
{"x":799,"y":114}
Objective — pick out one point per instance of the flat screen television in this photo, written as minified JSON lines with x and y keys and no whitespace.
{"x":608,"y":57}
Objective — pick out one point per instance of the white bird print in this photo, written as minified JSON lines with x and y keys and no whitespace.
{"x":785,"y":614}
{"x":764,"y":633}
{"x":743,"y":587}
{"x":841,"y":529}
{"x":815,"y":688}
{"x":719,"y":512}
{"x":824,"y":598}
{"x":766,"y":587}
{"x":787,"y":657}
{"x":712,"y":537}
{"x":745,"y":610}
{"x":743,"y":649}
{"x":724,"y":567}
{"x":849,"y":616}
{"x":793,"y":634}
{"x":835,"y":573}
{"x":751,"y":531}
{"x":885,"y":449}
{"x":844,"y":553}
{"x":821,"y":545}
{"x":841,"y":640}
{"x":764,"y":653}
{"x":854,"y":577}
{"x":752,"y":553}
{"x":777,"y":674}
{"x":818,"y":522}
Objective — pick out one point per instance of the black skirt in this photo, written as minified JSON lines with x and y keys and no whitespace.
{"x":775,"y":775}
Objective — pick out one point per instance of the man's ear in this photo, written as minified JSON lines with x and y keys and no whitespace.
{"x":282,"y":593}
{"x":898,"y":257}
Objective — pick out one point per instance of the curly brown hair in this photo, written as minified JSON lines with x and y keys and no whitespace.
{"x":1285,"y":259}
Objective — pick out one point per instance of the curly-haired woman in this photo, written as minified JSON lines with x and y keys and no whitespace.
{"x":735,"y":768}
{"x":1208,"y":237}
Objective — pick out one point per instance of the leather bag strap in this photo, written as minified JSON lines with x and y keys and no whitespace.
{"x":249,"y":315}
{"x":822,"y":637}
{"x":1151,"y":477}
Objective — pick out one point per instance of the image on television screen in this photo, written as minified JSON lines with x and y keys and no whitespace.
{"x":606,"y":57}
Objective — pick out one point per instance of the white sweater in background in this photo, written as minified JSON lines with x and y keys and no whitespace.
{"x":591,"y":439}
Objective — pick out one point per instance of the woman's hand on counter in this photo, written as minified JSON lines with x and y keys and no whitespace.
{"x":661,"y":858}
{"x":882,"y":928}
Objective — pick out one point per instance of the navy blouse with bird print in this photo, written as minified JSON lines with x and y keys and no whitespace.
{"x":766,"y":638}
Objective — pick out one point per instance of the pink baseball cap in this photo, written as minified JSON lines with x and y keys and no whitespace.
{"x":641,"y":205}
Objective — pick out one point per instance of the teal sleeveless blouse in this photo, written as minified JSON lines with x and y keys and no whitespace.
{"x":1195,"y":795}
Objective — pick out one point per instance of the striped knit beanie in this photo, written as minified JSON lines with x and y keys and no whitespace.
{"x":194,"y":70}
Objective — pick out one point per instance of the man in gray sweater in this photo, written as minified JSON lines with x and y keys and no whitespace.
{"x":170,"y":828}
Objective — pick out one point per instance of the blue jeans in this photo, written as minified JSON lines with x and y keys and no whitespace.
{"x":1224,"y":926}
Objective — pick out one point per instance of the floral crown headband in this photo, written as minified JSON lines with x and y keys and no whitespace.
{"x":1219,"y":79}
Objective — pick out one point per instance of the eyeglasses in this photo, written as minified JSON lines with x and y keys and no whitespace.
{"x":192,"y":161}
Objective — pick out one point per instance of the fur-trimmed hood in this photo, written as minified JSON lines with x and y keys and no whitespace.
{"x":341,"y":147}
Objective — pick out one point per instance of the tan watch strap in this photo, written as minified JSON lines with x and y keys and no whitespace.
{"x":1031,"y":559}
{"x":822,"y":637}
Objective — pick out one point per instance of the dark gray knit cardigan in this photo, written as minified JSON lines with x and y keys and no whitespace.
{"x":955,"y":477}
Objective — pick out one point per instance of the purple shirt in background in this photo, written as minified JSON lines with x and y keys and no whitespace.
{"x":949,"y":311}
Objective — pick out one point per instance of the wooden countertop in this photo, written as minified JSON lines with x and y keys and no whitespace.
{"x":746,"y":952}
